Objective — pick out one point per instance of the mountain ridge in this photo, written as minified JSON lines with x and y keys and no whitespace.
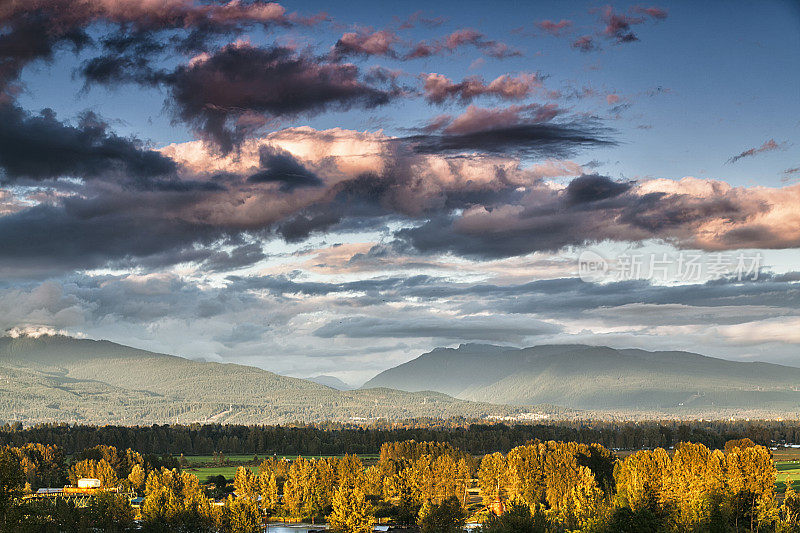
{"x":63,"y":379}
{"x":599,"y":378}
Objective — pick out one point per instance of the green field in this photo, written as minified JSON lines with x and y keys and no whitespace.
{"x":203,"y":465}
{"x":790,"y":469}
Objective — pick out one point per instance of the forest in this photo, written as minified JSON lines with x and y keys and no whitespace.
{"x":474,"y":436}
{"x":432,"y":487}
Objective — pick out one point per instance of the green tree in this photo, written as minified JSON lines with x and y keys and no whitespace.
{"x":11,"y":479}
{"x":110,"y":512}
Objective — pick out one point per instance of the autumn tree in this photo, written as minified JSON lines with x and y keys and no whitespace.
{"x":96,"y":469}
{"x":351,"y":512}
{"x":445,"y":517}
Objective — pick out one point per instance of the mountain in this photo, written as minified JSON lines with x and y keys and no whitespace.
{"x":330,"y":381}
{"x":64,"y":379}
{"x":603,"y":379}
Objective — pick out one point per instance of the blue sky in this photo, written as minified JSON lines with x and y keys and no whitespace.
{"x":724,"y":80}
{"x":289,"y":210}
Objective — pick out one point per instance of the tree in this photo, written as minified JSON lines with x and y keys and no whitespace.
{"x":245,"y":483}
{"x":270,"y":497}
{"x":242,"y":515}
{"x":518,"y":519}
{"x":96,"y":469}
{"x":492,"y":477}
{"x":110,"y":512}
{"x":175,"y":501}
{"x":351,"y":512}
{"x":11,"y":479}
{"x":446,"y":517}
{"x":137,"y":478}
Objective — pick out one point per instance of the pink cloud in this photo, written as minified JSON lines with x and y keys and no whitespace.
{"x":377,"y":43}
{"x":438,"y":88}
{"x":554,"y":28}
{"x":479,"y":118}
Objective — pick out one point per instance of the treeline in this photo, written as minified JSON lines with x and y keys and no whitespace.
{"x":336,"y":439}
{"x":540,"y":487}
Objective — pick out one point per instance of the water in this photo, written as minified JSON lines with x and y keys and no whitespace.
{"x":295,"y":528}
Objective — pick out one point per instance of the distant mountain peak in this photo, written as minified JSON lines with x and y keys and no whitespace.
{"x":601,"y":378}
{"x":330,"y":381}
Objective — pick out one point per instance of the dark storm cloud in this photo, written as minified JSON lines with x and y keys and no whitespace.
{"x":30,"y":36}
{"x":33,"y":29}
{"x":42,"y":147}
{"x":592,"y":187}
{"x":536,"y":140}
{"x":239,"y":257}
{"x":89,"y":233}
{"x":279,"y":166}
{"x":242,"y":87}
{"x":593,"y":209}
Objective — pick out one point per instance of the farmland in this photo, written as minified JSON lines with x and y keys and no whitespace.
{"x":207,"y":466}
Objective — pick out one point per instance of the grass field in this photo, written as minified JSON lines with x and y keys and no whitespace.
{"x":202,"y":465}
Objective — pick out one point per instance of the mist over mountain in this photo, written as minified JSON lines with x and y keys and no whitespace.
{"x":55,"y":378}
{"x":330,"y":381}
{"x":603,"y":379}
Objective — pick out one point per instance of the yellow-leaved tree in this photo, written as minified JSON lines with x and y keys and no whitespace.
{"x":352,"y":513}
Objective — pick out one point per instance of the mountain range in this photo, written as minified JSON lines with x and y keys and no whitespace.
{"x":55,"y":378}
{"x":602,"y":379}
{"x":63,"y":379}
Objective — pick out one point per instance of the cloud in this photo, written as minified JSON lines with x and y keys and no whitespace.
{"x":36,"y":28}
{"x":495,"y":329}
{"x":418,"y":18}
{"x":461,"y":190}
{"x":654,"y":12}
{"x":519,"y":131}
{"x":279,"y":166}
{"x":458,"y":39}
{"x":584,"y":43}
{"x":554,"y":28}
{"x":240,"y":88}
{"x":618,"y":25}
{"x":365,"y":43}
{"x":768,"y":146}
{"x":690,"y":213}
{"x":438,"y":88}
{"x":42,"y":147}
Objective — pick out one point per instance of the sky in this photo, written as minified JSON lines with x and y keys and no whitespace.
{"x":337,"y":187}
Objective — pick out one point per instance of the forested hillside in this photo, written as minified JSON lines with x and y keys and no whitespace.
{"x":58,"y":378}
{"x":603,"y":379}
